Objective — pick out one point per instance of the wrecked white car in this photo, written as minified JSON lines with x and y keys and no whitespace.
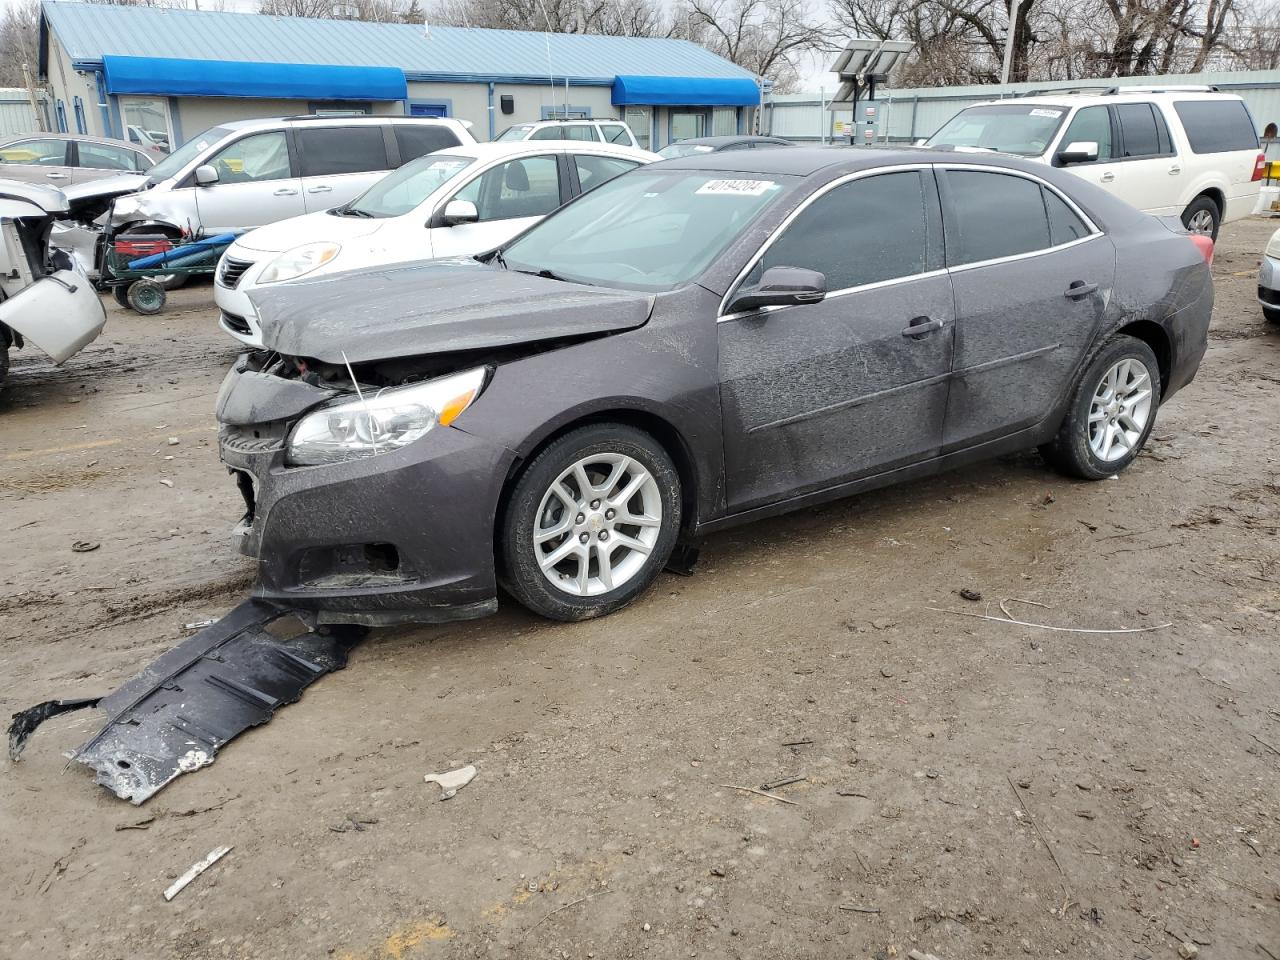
{"x":46,"y":301}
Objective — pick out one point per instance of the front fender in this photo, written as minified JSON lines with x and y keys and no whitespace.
{"x":60,"y":314}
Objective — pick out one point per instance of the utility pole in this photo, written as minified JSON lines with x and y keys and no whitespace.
{"x":31,"y":96}
{"x":1008,"y":41}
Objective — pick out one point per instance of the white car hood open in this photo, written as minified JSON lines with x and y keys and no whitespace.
{"x":310,"y":228}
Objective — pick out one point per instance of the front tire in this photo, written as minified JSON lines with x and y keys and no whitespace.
{"x":591,"y":522}
{"x":1112,"y":411}
{"x":1202,"y":216}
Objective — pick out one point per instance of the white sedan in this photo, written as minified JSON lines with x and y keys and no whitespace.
{"x":459,"y":201}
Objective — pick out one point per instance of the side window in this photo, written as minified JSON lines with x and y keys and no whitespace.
{"x":100,"y":156}
{"x":872,"y":229}
{"x":331,"y":151}
{"x":580,"y":131}
{"x":1064,"y":224}
{"x":1217,"y":126}
{"x":551,"y":133}
{"x":1090,"y":123}
{"x":1138,"y":130}
{"x":529,"y":187}
{"x":417,"y":140}
{"x":616,"y":133}
{"x":263,"y":156}
{"x":45,"y":153}
{"x":993,"y":215}
{"x":593,"y":171}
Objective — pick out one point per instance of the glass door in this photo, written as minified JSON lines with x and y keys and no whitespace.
{"x":146,"y":122}
{"x":688,"y":123}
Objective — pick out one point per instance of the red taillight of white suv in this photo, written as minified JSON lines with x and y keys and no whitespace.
{"x":1260,"y":167}
{"x":1204,"y":244}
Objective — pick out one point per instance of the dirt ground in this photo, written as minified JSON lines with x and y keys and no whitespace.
{"x":972,"y":788}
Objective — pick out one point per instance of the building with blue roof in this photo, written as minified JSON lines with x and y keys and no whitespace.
{"x":160,"y":74}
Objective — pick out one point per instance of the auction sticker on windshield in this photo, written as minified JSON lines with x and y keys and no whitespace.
{"x":1051,"y":114}
{"x":749,"y":188}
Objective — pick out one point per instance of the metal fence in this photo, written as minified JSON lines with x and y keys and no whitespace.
{"x":16,"y":115}
{"x":906,"y":115}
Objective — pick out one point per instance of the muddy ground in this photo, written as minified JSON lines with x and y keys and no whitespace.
{"x":973,"y":788}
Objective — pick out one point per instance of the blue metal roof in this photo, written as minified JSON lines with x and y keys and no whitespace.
{"x":683,"y":91}
{"x":225,"y":78}
{"x":88,"y":32}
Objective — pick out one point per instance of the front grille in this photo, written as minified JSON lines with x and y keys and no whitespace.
{"x":237,"y":323}
{"x":1267,"y":295}
{"x":231,"y":272}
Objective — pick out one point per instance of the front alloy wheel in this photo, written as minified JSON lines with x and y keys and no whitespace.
{"x":591,"y":522}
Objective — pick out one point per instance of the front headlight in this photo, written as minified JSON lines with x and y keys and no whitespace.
{"x":1273,"y":246}
{"x":299,"y":261}
{"x":382,"y":421}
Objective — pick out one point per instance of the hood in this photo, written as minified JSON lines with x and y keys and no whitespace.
{"x":435,"y":306}
{"x":121,"y":183}
{"x":309,"y":228}
{"x":48,"y":199}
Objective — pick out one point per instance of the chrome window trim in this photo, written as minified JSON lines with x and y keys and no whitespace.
{"x":1094,"y":232}
{"x":822,"y":191}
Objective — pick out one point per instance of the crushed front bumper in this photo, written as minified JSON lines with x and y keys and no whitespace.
{"x":405,"y":536}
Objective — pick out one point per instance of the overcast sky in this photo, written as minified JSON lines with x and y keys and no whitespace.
{"x":811,"y":69}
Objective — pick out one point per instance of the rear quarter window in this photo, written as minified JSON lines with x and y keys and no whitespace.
{"x":1217,"y":126}
{"x":417,"y":140}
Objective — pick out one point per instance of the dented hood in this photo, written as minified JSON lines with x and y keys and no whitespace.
{"x":436,"y":306}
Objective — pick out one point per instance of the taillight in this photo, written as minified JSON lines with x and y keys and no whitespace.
{"x":1260,"y":167}
{"x":1205,"y":245}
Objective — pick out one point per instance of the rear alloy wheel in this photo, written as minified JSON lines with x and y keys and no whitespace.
{"x":1202,"y":217}
{"x":1112,"y":411}
{"x":591,"y":522}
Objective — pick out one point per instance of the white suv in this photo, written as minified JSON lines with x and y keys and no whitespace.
{"x":599,"y":131}
{"x":1191,"y":153}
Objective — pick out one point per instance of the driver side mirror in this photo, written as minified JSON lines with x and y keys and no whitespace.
{"x":206,"y":175}
{"x":460,"y":211}
{"x":1078,"y":151}
{"x":781,"y":287}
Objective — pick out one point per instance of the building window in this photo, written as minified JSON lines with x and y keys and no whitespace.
{"x":146,"y":122}
{"x":60,"y":110}
{"x":566,"y":112}
{"x":331,"y":108}
{"x":78,"y":107}
{"x":724,"y":121}
{"x":686,"y":124}
{"x":430,"y":108}
{"x":640,"y":120}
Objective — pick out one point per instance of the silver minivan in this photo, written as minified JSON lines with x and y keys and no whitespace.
{"x":245,"y":174}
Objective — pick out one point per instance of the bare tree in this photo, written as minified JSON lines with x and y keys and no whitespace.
{"x":767,"y":37}
{"x":19,"y":28}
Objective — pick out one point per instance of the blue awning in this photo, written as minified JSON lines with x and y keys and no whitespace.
{"x":232,"y":78}
{"x":686,"y":91}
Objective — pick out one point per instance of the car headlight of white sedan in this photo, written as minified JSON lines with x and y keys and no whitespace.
{"x":382,"y":422}
{"x":1273,"y":246}
{"x":299,"y":261}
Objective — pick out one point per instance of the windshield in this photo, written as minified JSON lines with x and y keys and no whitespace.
{"x":644,"y":230}
{"x":399,"y":192}
{"x":1022,"y":128}
{"x":175,"y":161}
{"x":518,"y":132}
{"x":672,"y":150}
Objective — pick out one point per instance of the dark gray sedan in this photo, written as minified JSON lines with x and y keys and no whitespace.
{"x":690,"y":346}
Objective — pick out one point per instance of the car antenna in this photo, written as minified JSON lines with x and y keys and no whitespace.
{"x":363,"y":402}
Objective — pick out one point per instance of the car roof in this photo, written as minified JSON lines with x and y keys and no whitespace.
{"x":507,"y":148}
{"x":78,"y":137}
{"x":807,"y":161}
{"x":1138,"y":95}
{"x":337,"y":119}
{"x":729,"y":138}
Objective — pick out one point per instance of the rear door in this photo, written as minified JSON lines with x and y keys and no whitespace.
{"x":416,"y":140}
{"x":36,"y":160}
{"x":509,"y":197}
{"x":96,"y":160}
{"x":338,"y":164}
{"x":1032,"y":277}
{"x":820,"y":394}
{"x":1148,"y":172}
{"x":257,"y":184}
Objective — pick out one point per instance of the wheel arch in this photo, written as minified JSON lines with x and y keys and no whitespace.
{"x":660,"y":427}
{"x":1213,"y":193}
{"x":1157,"y":338}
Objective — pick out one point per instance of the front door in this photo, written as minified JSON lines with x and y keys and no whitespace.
{"x":1032,"y":279}
{"x":36,"y":161}
{"x":509,"y":197}
{"x":816,"y":395}
{"x":256,"y":185}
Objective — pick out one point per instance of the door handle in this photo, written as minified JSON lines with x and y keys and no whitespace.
{"x":1080,"y":289}
{"x":320,"y":189}
{"x":1175,"y":170}
{"x":57,"y":176}
{"x":285,"y":193}
{"x":922,"y":326}
{"x":1108,"y":177}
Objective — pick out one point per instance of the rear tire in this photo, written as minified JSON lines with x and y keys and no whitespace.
{"x":572,"y":548}
{"x":1202,"y":216}
{"x":1112,"y":412}
{"x":1272,"y":314}
{"x":4,"y":365}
